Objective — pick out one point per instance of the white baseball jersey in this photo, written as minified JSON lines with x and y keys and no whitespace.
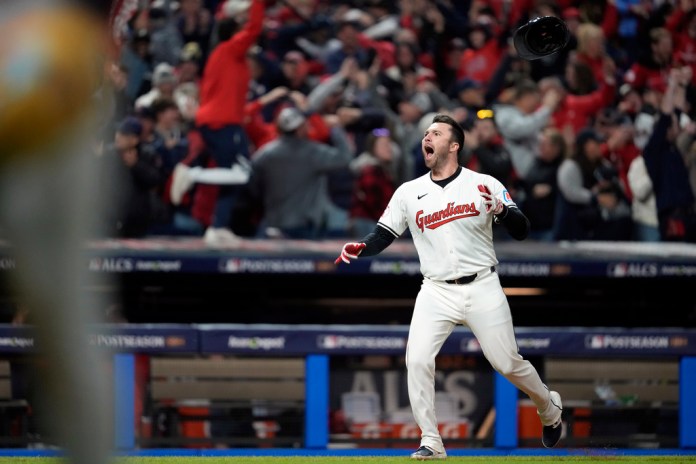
{"x":450,"y":227}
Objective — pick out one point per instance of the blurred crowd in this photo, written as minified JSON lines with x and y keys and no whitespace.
{"x":299,"y":118}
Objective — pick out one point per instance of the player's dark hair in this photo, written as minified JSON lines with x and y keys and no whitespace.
{"x":457,"y":131}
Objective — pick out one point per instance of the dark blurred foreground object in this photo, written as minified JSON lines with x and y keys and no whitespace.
{"x":541,"y":37}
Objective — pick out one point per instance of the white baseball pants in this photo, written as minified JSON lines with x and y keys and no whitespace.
{"x":483,"y":307}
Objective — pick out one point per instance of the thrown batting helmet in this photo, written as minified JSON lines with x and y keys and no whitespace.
{"x":541,"y":37}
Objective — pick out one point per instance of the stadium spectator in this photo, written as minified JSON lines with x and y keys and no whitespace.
{"x":374,"y":185}
{"x":470,"y":95}
{"x":643,"y":206}
{"x":633,"y":17}
{"x":540,"y":187}
{"x":170,"y":141}
{"x":136,"y":174}
{"x":347,"y":32}
{"x":295,"y":73}
{"x":405,"y":62}
{"x":116,"y":97}
{"x":195,"y":25}
{"x":630,"y":101}
{"x":479,"y":60}
{"x":665,"y":164}
{"x":348,"y":98}
{"x":136,"y":57}
{"x":651,"y":68}
{"x":618,"y":131}
{"x":578,"y":77}
{"x":686,"y":141}
{"x":591,"y":204}
{"x":165,"y":40}
{"x":520,"y":122}
{"x":682,"y":23}
{"x":187,"y":92}
{"x":146,"y":116}
{"x":303,"y":27}
{"x":220,"y":116}
{"x":485,"y":152}
{"x":164,"y":82}
{"x":289,"y":177}
{"x":575,"y":112}
{"x":591,"y":50}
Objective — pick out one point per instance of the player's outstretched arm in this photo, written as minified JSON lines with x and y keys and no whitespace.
{"x":372,"y":244}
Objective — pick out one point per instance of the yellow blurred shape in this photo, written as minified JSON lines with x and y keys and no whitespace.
{"x":51,"y":62}
{"x":484,"y":114}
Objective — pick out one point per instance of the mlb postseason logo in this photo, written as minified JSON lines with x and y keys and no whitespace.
{"x":645,"y":342}
{"x":361,"y":343}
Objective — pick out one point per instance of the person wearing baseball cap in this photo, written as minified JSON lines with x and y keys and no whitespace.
{"x":289,"y":176}
{"x":164,"y":82}
{"x":290,"y":119}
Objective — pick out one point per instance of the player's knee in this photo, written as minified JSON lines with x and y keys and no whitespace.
{"x":504,"y":367}
{"x":414,"y":364}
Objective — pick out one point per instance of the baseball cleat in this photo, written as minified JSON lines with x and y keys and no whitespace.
{"x":425,"y":453}
{"x":551,"y":434}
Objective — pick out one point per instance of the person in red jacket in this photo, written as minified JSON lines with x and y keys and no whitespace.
{"x":220,"y":116}
{"x":480,"y":59}
{"x":619,"y":148}
{"x":576,"y":111}
{"x":682,"y":23}
{"x":592,"y":50}
{"x":652,"y":69}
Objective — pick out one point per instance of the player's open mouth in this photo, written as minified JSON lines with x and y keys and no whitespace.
{"x":428,"y":151}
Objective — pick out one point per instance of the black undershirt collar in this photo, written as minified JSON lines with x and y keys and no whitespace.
{"x":444,"y":182}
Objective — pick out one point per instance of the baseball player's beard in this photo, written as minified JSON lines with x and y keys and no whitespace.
{"x":436,"y":162}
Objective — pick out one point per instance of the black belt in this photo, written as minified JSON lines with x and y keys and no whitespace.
{"x":466,"y":279}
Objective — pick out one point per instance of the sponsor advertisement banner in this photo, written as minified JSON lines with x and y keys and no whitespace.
{"x":345,"y":340}
{"x":164,"y":339}
{"x":198,"y":261}
{"x":15,"y":339}
{"x":301,"y":341}
{"x":380,"y":266}
{"x":361,"y":340}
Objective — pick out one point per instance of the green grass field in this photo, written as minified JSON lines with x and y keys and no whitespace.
{"x":375,"y":460}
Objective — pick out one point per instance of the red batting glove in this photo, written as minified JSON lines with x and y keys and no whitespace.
{"x":493,"y":204}
{"x":350,"y":251}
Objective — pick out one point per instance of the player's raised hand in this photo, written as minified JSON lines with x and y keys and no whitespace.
{"x":350,"y":251}
{"x":492,"y":203}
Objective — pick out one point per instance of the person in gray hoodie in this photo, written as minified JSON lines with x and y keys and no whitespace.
{"x":521,"y":122}
{"x":288,"y":176}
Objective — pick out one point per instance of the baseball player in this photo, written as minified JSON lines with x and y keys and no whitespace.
{"x":450,"y":212}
